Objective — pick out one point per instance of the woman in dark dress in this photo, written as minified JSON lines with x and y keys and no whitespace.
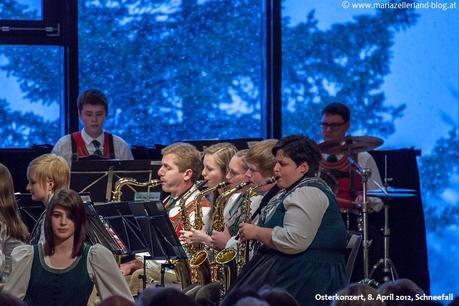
{"x":63,"y":269}
{"x":300,"y":238}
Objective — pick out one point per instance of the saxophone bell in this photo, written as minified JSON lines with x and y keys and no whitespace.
{"x":227,"y":260}
{"x":183,"y":270}
{"x":200,"y":268}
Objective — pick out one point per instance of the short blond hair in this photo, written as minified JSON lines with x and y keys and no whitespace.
{"x":50,"y":167}
{"x":187,"y":157}
{"x":260,"y":155}
{"x":222,"y":153}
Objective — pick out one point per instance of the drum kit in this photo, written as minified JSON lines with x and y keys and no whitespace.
{"x":349,"y":147}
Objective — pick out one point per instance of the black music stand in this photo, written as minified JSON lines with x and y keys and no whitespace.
{"x":120,"y":218}
{"x":98,"y":177}
{"x":158,"y":233}
{"x":100,"y":231}
{"x":29,"y":209}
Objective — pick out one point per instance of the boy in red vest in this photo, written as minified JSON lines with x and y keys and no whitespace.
{"x":92,"y":140}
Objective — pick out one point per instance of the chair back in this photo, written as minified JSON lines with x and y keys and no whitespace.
{"x":354,"y":240}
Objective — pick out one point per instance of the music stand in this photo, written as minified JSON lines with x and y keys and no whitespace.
{"x":100,"y":231}
{"x":99,"y":177}
{"x":158,"y":232}
{"x":119,"y":216}
{"x":29,"y":209}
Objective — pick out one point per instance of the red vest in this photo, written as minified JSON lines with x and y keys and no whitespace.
{"x":80,"y":149}
{"x":340,"y":170}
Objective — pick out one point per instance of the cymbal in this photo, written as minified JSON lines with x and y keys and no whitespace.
{"x":350,"y":144}
{"x":381,"y":194}
{"x":390,"y":189}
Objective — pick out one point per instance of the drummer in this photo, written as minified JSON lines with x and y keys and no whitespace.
{"x":335,"y":123}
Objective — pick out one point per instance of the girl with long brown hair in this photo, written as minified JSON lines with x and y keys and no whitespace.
{"x":13,"y":231}
{"x":63,"y":270}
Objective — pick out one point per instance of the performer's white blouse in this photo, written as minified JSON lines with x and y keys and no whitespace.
{"x":101,"y":265}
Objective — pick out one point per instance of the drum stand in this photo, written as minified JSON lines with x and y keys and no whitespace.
{"x":389,"y":268}
{"x":389,"y":271}
{"x":364,"y":174}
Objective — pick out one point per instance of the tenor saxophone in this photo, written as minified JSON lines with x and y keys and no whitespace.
{"x":225,"y":267}
{"x":127,"y":181}
{"x":199,"y":261}
{"x":182,"y":266}
{"x":243,"y":251}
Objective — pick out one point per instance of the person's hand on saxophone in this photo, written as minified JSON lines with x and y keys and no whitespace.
{"x":195,"y":236}
{"x":249,"y":231}
{"x":219,"y":239}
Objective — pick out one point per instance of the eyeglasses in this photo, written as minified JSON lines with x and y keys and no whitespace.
{"x":332,"y":126}
{"x":234,"y":173}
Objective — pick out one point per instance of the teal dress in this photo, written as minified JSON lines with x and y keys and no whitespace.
{"x":320,"y":269}
{"x":52,"y":287}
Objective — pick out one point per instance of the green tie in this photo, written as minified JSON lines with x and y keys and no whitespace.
{"x":170,"y":204}
{"x":96,"y":145}
{"x":332,"y":158}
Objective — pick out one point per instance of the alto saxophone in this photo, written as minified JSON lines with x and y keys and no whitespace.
{"x":225,"y":261}
{"x":182,"y":266}
{"x":199,"y":261}
{"x":127,"y":181}
{"x":243,"y":251}
{"x":199,"y":219}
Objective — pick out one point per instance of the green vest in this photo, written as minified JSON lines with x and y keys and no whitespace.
{"x":52,"y":287}
{"x":331,"y":234}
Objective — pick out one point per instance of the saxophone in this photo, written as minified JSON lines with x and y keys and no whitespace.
{"x":243,"y":251}
{"x":225,"y":261}
{"x":184,"y":218}
{"x":199,"y":262}
{"x":199,"y":219}
{"x":218,"y":222}
{"x":127,"y":181}
{"x":182,"y":267}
